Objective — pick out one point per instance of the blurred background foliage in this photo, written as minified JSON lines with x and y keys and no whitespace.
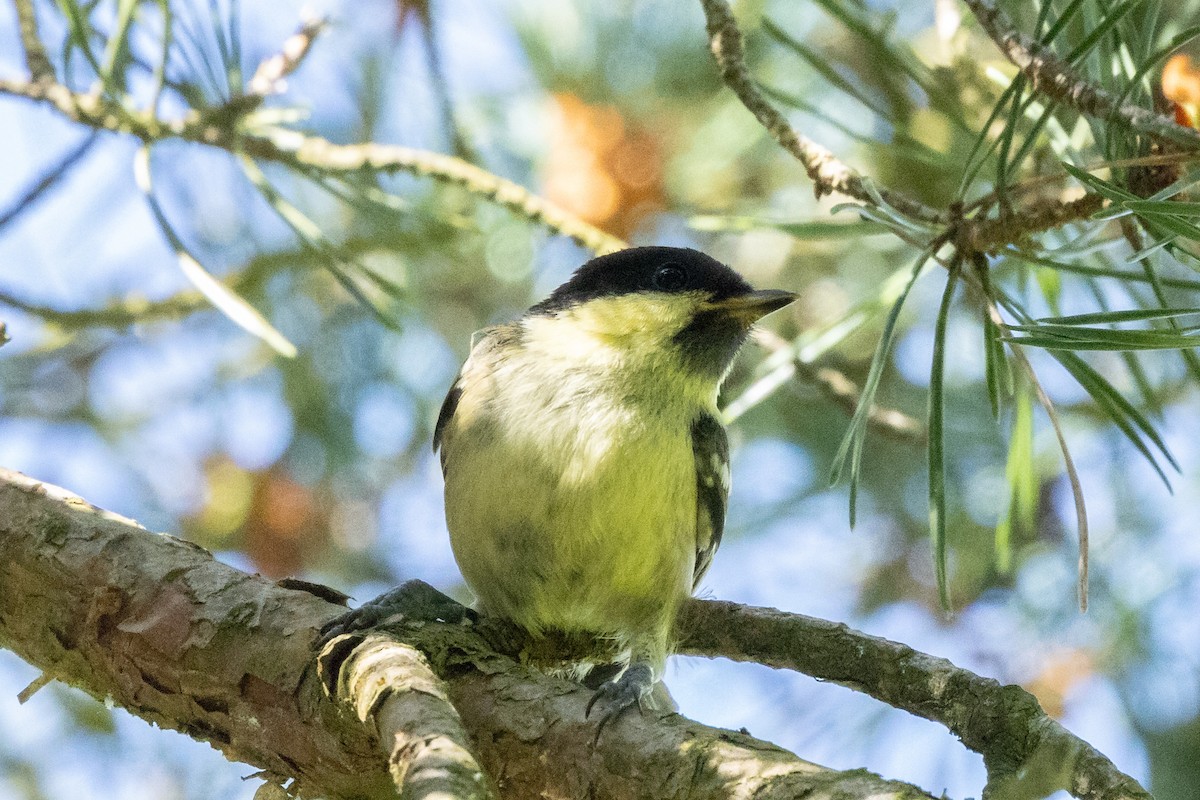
{"x":124,"y":385}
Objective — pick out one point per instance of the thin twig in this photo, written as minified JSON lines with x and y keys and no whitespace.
{"x":28,"y":198}
{"x":36,"y":60}
{"x":1057,"y":80}
{"x":269,"y":78}
{"x":122,"y":312}
{"x":35,"y":686}
{"x":837,"y":387}
{"x":291,"y":147}
{"x":828,"y":173}
{"x":440,"y":85}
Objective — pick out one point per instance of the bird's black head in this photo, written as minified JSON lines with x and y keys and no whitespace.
{"x":664,"y":299}
{"x":672,"y":270}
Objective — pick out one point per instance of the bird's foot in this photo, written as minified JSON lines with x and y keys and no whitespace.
{"x":414,"y":601}
{"x":632,"y":687}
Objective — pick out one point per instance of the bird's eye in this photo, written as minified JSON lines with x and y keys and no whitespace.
{"x":670,"y":277}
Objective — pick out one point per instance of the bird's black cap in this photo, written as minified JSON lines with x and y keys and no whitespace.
{"x":646,"y":269}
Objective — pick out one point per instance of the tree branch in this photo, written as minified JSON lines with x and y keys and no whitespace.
{"x":1055,"y":79}
{"x":272,"y":72}
{"x":188,"y":643}
{"x":829,"y":174}
{"x":1004,"y":724}
{"x":293,"y":148}
{"x":838,"y":388}
{"x":429,"y":755}
{"x":36,"y":60}
{"x":989,"y":235}
{"x":27,"y":199}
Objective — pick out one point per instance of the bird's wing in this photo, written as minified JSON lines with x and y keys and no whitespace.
{"x":710,"y":446}
{"x":473,"y":379}
{"x":444,"y":416}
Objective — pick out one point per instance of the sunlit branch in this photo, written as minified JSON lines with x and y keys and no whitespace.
{"x":829,"y":174}
{"x":158,"y":626}
{"x":392,"y":687}
{"x":291,"y":147}
{"x":312,"y":151}
{"x":272,"y":72}
{"x":1057,"y":80}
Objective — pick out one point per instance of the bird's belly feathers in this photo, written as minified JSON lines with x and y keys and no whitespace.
{"x":580,"y":521}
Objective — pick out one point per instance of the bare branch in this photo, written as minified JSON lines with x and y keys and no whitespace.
{"x":429,"y":752}
{"x":1057,"y":80}
{"x":1005,"y":724}
{"x":177,"y":638}
{"x":828,"y":173}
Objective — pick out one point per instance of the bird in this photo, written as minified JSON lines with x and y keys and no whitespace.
{"x":586,"y":465}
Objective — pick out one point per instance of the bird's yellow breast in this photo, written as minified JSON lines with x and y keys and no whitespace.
{"x":571,"y":497}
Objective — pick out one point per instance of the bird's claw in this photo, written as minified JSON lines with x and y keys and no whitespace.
{"x":413,"y":600}
{"x":632,"y":688}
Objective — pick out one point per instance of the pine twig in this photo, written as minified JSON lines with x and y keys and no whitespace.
{"x":992,"y":234}
{"x":1057,"y":80}
{"x":36,"y":60}
{"x":292,"y":147}
{"x":828,"y":173}
{"x":269,"y":78}
{"x":48,"y":180}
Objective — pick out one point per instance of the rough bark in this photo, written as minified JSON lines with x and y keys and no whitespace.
{"x":166,"y":631}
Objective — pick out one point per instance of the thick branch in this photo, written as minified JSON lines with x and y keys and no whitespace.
{"x":828,"y":173}
{"x":188,"y":643}
{"x":1057,"y":80}
{"x":1004,"y":724}
{"x":429,"y":751}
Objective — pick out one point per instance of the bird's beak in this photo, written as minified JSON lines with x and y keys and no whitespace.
{"x":749,"y":308}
